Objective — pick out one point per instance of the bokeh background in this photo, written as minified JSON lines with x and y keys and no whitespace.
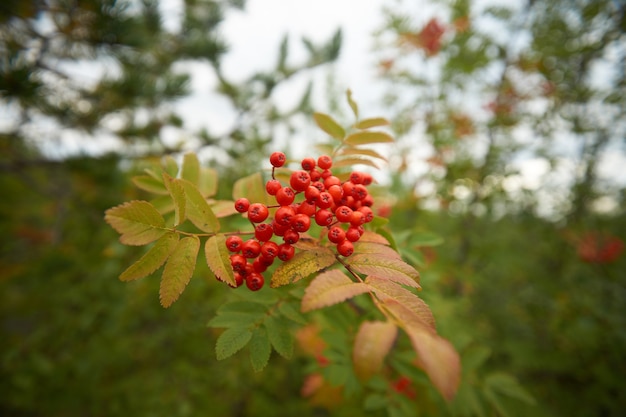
{"x":510,"y":125}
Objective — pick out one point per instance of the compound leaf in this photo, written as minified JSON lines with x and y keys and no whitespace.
{"x":251,"y":187}
{"x":231,"y":341}
{"x":302,"y":265}
{"x":260,"y":349}
{"x":138,"y":222}
{"x":391,"y":268}
{"x":218,"y":259}
{"x":372,"y":344}
{"x":329,"y":125}
{"x":367,"y":137}
{"x":153,"y":259}
{"x":197,"y":209}
{"x":207,"y":182}
{"x":178,"y":270}
{"x":331,"y":287}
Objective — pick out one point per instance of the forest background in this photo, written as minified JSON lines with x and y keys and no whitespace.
{"x":508,"y":165}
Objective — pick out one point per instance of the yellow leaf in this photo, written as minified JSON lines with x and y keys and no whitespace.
{"x":197,"y":209}
{"x":153,"y":259}
{"x":391,"y":268}
{"x":329,"y":125}
{"x":218,"y":259}
{"x":330,"y":287}
{"x":191,"y":168}
{"x":302,"y":265}
{"x":177,"y":192}
{"x":138,"y":222}
{"x":367,"y":137}
{"x":178,"y":270}
{"x":372,"y":122}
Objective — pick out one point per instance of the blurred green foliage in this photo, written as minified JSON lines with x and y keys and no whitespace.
{"x":508,"y":286}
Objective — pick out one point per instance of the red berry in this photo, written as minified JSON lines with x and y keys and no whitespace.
{"x":263,"y":232}
{"x":238,"y":279}
{"x":368,"y":214}
{"x":336,"y":192}
{"x":359,"y":192}
{"x":269,"y":250}
{"x":278,"y":159}
{"x":343,"y":213}
{"x":238,"y":262}
{"x":368,"y":201}
{"x":312,"y":193}
{"x":291,"y":236}
{"x":367,"y":178}
{"x":285,"y":196}
{"x":233,"y":243}
{"x":336,"y":234}
{"x":284,"y":215}
{"x":353,"y":234}
{"x":242,"y":204}
{"x":257,"y":212}
{"x":325,"y":200}
{"x":357,"y":218}
{"x":308,"y":163}
{"x":345,"y":248}
{"x":324,"y":217}
{"x":301,"y":223}
{"x":251,"y":248}
{"x":259,"y":266}
{"x":279,"y":229}
{"x":255,"y":281}
{"x":357,"y":177}
{"x":326,"y":173}
{"x":272,"y":187}
{"x":324,"y":162}
{"x":286,"y":252}
{"x":330,"y":181}
{"x":300,"y":180}
{"x":315,"y":175}
{"x":307,"y":207}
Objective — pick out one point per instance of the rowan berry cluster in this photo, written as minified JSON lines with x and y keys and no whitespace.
{"x":314,"y":195}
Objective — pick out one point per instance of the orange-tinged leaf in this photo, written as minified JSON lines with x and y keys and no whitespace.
{"x":218,"y":259}
{"x":138,"y":222}
{"x":372,"y":122}
{"x":366,"y":137}
{"x":385,"y":290}
{"x":330,"y":287}
{"x":369,"y":236}
{"x":178,"y":270}
{"x":150,"y":184}
{"x":393,"y":269}
{"x":223,"y":208}
{"x":372,"y":344}
{"x":177,"y":192}
{"x":382,"y":250}
{"x":302,"y":265}
{"x":437,"y":356}
{"x":329,"y":125}
{"x":153,"y":259}
{"x":197,"y":209}
{"x":350,"y":161}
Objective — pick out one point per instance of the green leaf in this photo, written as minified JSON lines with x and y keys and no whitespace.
{"x":177,"y":192}
{"x":218,"y":259}
{"x":352,"y":103}
{"x":233,"y":319}
{"x":279,"y":336}
{"x":251,"y":187}
{"x":289,"y":311}
{"x":375,"y":402}
{"x":367,"y":137}
{"x":163,"y":204}
{"x":138,"y":222}
{"x":231,"y":341}
{"x":150,"y":184}
{"x":302,"y":265}
{"x":253,"y":308}
{"x":331,"y":287}
{"x":260,"y":349}
{"x":425,"y":239}
{"x":329,"y":125}
{"x":178,"y":270}
{"x":170,"y":166}
{"x":198,"y":210}
{"x":506,"y":384}
{"x":191,"y":168}
{"x":372,"y":122}
{"x":385,"y":267}
{"x":372,"y":343}
{"x":153,"y":259}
